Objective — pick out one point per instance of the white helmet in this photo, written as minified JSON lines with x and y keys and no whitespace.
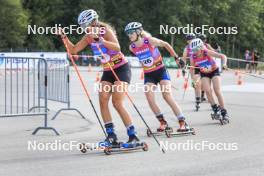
{"x":196,"y":44}
{"x":133,"y":26}
{"x":86,"y":17}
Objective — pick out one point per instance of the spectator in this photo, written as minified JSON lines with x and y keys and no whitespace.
{"x":248,"y":61}
{"x":256,"y":58}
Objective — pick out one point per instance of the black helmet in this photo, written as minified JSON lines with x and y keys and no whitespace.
{"x":190,"y":36}
{"x":203,"y":37}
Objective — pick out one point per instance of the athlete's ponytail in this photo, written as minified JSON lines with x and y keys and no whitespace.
{"x":145,"y":34}
{"x":107,"y":25}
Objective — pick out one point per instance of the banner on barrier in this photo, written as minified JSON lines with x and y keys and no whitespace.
{"x":54,"y":59}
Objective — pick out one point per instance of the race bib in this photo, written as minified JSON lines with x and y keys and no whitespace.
{"x":206,"y":68}
{"x":148,"y":62}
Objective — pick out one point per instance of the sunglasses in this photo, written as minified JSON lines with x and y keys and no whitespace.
{"x":85,"y":25}
{"x":195,"y":50}
{"x":130,"y":32}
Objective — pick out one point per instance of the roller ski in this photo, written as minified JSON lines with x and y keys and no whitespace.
{"x":161,"y":130}
{"x":132,"y":144}
{"x":183,"y":130}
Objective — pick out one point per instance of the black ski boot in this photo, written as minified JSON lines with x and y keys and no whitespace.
{"x":203,"y":97}
{"x":225,"y":117}
{"x":216,"y":112}
{"x":197,"y":103}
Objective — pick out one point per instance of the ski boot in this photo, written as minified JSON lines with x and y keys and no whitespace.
{"x":183,"y":130}
{"x":111,"y":139}
{"x":184,"y":127}
{"x":216,"y":112}
{"x":224,"y":117}
{"x":163,"y":127}
{"x":133,"y":142}
{"x":197,"y":103}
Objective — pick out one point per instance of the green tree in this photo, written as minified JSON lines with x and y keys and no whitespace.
{"x":13,"y":22}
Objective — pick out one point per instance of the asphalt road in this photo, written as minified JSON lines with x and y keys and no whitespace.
{"x":241,"y":151}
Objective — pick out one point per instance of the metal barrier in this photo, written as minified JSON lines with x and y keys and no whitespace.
{"x":59,"y":84}
{"x":22,"y":80}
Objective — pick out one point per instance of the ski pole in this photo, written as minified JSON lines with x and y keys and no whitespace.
{"x":82,"y":83}
{"x":184,"y":92}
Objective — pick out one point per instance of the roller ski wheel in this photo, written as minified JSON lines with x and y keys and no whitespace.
{"x":212,"y":116}
{"x":107,"y":150}
{"x":168,"y":129}
{"x":192,"y":131}
{"x":224,"y":121}
{"x":145,"y":146}
{"x":221,"y":121}
{"x":148,"y":133}
{"x":197,"y":107}
{"x":168,"y":134}
{"x":227,"y":120}
{"x":82,"y":148}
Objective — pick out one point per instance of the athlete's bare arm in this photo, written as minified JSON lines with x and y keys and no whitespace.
{"x":218,"y":55}
{"x":110,"y":40}
{"x":160,"y":43}
{"x":210,"y":47}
